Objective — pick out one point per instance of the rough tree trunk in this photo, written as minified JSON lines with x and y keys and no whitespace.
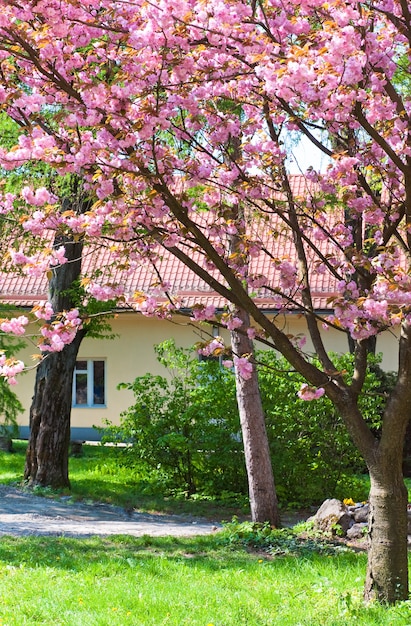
{"x":387,"y":569}
{"x":48,"y":448}
{"x":49,"y":441}
{"x":262,"y":494}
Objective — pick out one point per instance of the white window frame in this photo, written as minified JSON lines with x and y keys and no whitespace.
{"x":89,"y":370}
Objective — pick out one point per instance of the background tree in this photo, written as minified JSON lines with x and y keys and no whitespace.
{"x":50,"y":411}
{"x":49,"y":439}
{"x":261,"y":487}
{"x":139,"y":83}
{"x":10,"y":406}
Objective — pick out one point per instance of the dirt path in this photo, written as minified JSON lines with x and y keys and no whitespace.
{"x":22,"y":513}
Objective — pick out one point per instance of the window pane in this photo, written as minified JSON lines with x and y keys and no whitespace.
{"x":98,"y":388}
{"x":81,"y":365}
{"x":81,"y":388}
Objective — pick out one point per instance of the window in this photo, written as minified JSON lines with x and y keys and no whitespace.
{"x":89,"y":384}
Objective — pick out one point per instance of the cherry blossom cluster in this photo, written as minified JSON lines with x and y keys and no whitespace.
{"x":176,"y":117}
{"x":44,"y":312}
{"x":213,"y":347}
{"x":230,"y":321}
{"x":15,"y":325}
{"x":243,"y":366}
{"x":39,"y":263}
{"x":60,"y":332}
{"x":308,"y":393}
{"x":9,"y":368}
{"x":105,"y":292}
{"x":201,"y":312}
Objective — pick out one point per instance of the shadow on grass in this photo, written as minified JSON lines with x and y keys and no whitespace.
{"x":142,"y":495}
{"x":206,"y":552}
{"x":99,"y":476}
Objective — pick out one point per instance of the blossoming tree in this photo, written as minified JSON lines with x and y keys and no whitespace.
{"x":50,"y":410}
{"x":135,"y":97}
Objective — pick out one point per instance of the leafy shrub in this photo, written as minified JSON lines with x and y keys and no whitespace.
{"x":276,"y":542}
{"x":312,"y":453}
{"x":185,"y":428}
{"x":10,"y":405}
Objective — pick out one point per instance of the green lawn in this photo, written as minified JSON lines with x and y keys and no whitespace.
{"x":215,"y":580}
{"x":197,"y":582}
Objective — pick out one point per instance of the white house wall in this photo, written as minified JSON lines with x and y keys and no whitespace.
{"x":131,"y":354}
{"x":127,"y":356}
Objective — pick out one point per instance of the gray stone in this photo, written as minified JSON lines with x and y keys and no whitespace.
{"x":357,"y":530}
{"x":360,"y":514}
{"x":333,"y":513}
{"x":352,"y":519}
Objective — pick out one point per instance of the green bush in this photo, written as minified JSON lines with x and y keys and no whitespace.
{"x":185,"y":428}
{"x":312,"y":454}
{"x":10,"y":405}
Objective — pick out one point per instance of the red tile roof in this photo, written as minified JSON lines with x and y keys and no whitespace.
{"x":26,"y":291}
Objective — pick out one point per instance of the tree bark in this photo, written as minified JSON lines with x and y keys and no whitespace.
{"x":387,"y":573}
{"x":261,"y":487}
{"x":387,"y":568}
{"x":50,"y":412}
{"x":48,"y":448}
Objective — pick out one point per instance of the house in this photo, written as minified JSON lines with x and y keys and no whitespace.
{"x":105,"y":363}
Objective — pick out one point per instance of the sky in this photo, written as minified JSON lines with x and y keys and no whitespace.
{"x":303,"y":155}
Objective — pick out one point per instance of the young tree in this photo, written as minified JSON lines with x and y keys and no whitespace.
{"x":135,"y":93}
{"x":261,"y":488}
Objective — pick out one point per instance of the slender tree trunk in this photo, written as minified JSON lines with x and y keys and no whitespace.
{"x":50,"y":412}
{"x":261,"y":487}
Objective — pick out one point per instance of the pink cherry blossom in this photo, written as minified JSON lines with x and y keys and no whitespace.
{"x":9,"y":368}
{"x":105,"y":292}
{"x":214,"y":345}
{"x":232,"y":322}
{"x":203,"y":313}
{"x":228,"y":363}
{"x":154,"y":149}
{"x":251,"y":333}
{"x":15,"y":325}
{"x":310,"y":393}
{"x":39,"y":197}
{"x":244,"y":367}
{"x":44,"y":312}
